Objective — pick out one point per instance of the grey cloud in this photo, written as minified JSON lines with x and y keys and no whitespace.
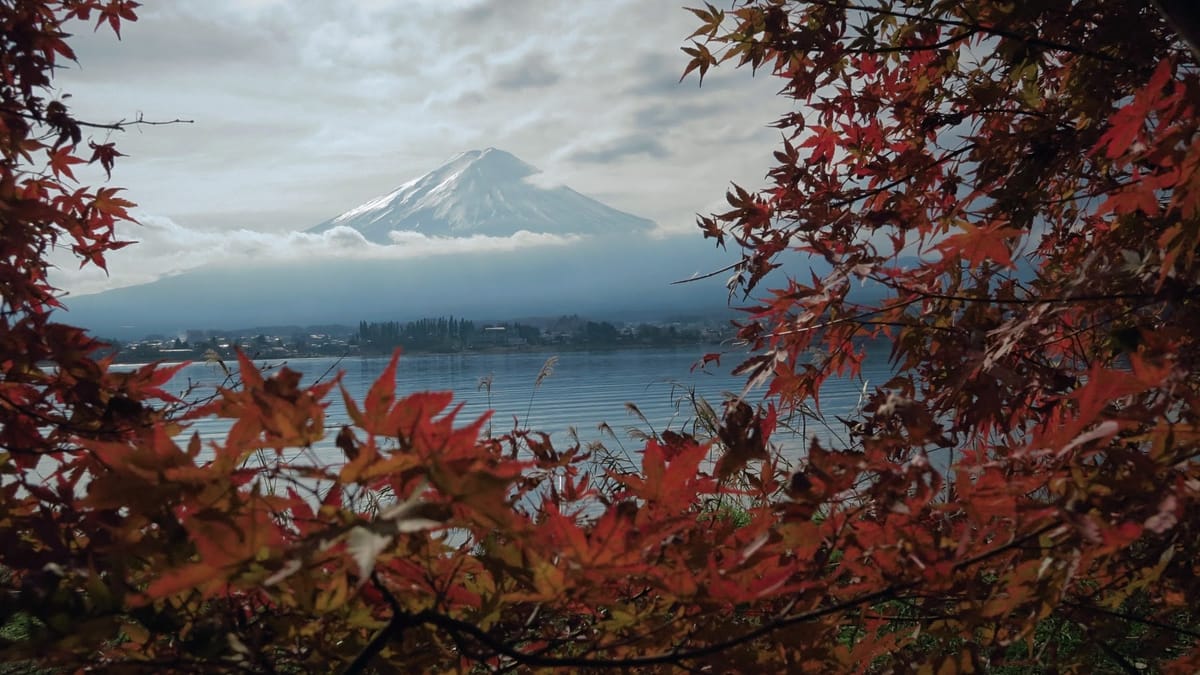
{"x":669,"y":115}
{"x":178,"y":41}
{"x":531,"y":71}
{"x":637,"y":144}
{"x":491,"y":15}
{"x":658,"y":74}
{"x":528,"y":73}
{"x":466,"y":98}
{"x":479,"y":16}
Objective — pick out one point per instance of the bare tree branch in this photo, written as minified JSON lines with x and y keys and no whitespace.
{"x":731,"y":266}
{"x":123,"y":124}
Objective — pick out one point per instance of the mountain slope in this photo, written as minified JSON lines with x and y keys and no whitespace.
{"x":483,"y":192}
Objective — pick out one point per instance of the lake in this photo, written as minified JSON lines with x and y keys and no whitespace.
{"x":586,"y":389}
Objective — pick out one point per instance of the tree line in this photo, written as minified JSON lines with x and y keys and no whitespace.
{"x":449,"y":334}
{"x":443,"y":333}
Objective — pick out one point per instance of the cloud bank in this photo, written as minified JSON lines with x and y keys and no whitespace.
{"x":166,"y":248}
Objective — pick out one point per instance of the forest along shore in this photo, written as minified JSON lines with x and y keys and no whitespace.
{"x":442,"y":335}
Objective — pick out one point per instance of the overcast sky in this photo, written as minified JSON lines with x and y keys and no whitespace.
{"x":306,"y":108}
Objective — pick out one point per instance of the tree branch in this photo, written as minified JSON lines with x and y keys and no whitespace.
{"x":1052,"y":300}
{"x":458,"y":628}
{"x":119,"y":125}
{"x":1125,"y":665}
{"x":394,"y":630}
{"x":726,"y":268}
{"x":122,"y":124}
{"x":1130,"y":617}
{"x":672,"y":657}
{"x":867,"y":194}
{"x":978,"y":27}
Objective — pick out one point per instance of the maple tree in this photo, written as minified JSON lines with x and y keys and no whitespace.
{"x":1017,"y":181}
{"x":1016,"y":186}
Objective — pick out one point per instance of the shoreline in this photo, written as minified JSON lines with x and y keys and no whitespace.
{"x":538,"y":349}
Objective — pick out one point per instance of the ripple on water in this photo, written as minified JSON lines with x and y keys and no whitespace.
{"x":585,"y":389}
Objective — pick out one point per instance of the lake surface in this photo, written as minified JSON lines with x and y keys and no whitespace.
{"x":586,"y":389}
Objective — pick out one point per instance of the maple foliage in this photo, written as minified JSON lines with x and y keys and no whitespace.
{"x":1014,"y":186}
{"x":1016,"y":181}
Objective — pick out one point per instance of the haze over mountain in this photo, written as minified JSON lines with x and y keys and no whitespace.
{"x":483,"y":192}
{"x":472,"y":238}
{"x":602,"y":280}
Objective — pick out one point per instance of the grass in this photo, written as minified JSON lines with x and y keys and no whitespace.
{"x":17,"y":629}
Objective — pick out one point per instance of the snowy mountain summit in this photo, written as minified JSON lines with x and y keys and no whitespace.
{"x":483,"y":192}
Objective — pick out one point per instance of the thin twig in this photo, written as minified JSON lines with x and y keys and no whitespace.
{"x":1130,"y":617}
{"x":710,"y":274}
{"x":121,"y":125}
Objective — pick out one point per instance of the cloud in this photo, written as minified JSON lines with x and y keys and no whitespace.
{"x":166,"y":248}
{"x":531,"y":72}
{"x":302,"y":112}
{"x":636,"y":144}
{"x":661,"y":117}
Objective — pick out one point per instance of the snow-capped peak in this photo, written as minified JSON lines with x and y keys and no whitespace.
{"x":482,"y":192}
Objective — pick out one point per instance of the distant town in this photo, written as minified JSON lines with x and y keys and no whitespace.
{"x":445,"y":335}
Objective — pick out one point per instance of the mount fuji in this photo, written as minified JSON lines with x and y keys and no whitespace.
{"x":483,"y":192}
{"x":472,"y":238}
